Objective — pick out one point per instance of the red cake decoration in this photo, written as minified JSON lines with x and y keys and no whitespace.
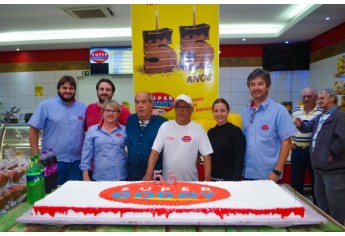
{"x":179,"y":193}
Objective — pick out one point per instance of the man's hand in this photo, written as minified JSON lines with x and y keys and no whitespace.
{"x":148,"y":177}
{"x":273,"y":177}
{"x":298,"y":121}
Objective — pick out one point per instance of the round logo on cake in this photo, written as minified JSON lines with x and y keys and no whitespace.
{"x":179,"y":193}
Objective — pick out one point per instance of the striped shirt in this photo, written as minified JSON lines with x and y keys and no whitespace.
{"x":303,"y":139}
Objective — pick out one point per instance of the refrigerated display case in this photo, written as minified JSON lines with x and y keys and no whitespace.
{"x":14,"y":140}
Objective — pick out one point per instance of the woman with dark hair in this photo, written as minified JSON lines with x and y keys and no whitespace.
{"x":228,"y":145}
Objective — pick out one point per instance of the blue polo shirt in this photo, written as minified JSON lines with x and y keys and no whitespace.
{"x":271,"y":125}
{"x":63,"y":127}
{"x":107,"y":150}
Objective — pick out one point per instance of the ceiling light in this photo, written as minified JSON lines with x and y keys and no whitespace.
{"x":296,"y":13}
{"x":64,"y":34}
{"x":243,"y":39}
{"x":327,"y":18}
{"x":286,"y":42}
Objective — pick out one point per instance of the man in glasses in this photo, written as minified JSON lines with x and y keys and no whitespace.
{"x":181,"y":140}
{"x":268,"y":128}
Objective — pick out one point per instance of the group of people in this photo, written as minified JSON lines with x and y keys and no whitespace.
{"x":90,"y":142}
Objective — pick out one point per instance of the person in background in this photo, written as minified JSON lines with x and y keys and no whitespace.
{"x":327,"y":154}
{"x":300,"y":155}
{"x":181,"y":140}
{"x":268,"y":128}
{"x":228,"y":144}
{"x":142,"y":128}
{"x":105,"y":90}
{"x":62,"y":120}
{"x":105,"y":145}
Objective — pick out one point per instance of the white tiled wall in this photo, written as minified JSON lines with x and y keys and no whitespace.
{"x":285,"y":87}
{"x":18,"y":89}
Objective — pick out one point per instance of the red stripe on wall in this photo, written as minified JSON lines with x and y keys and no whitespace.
{"x":328,"y":38}
{"x":45,"y":56}
{"x":237,"y":50}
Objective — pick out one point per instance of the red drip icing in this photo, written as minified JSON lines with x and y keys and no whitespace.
{"x":221,"y":212}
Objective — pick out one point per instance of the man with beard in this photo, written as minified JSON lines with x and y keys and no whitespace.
{"x":105,"y":90}
{"x":268,"y":128}
{"x":62,"y":120}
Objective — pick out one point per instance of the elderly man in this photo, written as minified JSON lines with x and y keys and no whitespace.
{"x":300,"y":155}
{"x":181,"y":140}
{"x":327,"y":152}
{"x":142,"y":128}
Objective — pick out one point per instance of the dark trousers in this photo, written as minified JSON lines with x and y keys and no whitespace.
{"x":330,"y":194}
{"x":68,"y":171}
{"x":300,"y":162}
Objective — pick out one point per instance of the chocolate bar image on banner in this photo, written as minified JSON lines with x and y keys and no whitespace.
{"x":197,"y":32}
{"x":153,"y":61}
{"x":159,"y":51}
{"x":196,"y":55}
{"x":196,"y":47}
{"x":160,"y":36}
{"x":159,"y":59}
{"x":190,"y":65}
{"x":158,"y":69}
{"x":192,"y":57}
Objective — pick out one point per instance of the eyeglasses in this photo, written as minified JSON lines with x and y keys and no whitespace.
{"x":183,"y":108}
{"x":110,"y":111}
{"x":252,"y":116}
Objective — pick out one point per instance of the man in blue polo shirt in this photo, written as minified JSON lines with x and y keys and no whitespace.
{"x":61,"y":119}
{"x":268,"y":128}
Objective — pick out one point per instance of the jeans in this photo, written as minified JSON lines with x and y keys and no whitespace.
{"x":300,"y":161}
{"x":68,"y":171}
{"x":330,"y":194}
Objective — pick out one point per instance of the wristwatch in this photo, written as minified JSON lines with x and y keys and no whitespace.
{"x":277,"y":172}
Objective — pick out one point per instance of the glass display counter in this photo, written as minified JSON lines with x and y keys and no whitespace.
{"x":14,"y":140}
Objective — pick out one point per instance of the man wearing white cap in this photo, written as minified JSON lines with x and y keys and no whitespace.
{"x":181,"y":140}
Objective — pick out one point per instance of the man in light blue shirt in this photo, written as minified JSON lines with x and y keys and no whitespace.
{"x":267,"y":127}
{"x":61,"y":118}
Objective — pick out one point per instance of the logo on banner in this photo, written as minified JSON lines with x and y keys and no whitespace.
{"x":163,"y":102}
{"x":99,"y":56}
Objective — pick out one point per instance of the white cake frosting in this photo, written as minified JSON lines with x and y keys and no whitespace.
{"x":245,"y":198}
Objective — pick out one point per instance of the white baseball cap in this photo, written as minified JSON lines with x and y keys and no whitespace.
{"x":184,"y":97}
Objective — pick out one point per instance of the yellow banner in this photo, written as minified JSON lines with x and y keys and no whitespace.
{"x":175,"y":50}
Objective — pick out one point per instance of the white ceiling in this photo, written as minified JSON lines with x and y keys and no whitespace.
{"x":38,"y":17}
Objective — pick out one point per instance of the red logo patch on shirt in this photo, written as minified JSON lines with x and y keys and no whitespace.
{"x":118,"y":135}
{"x":171,"y":138}
{"x":186,"y":139}
{"x":265,"y":127}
